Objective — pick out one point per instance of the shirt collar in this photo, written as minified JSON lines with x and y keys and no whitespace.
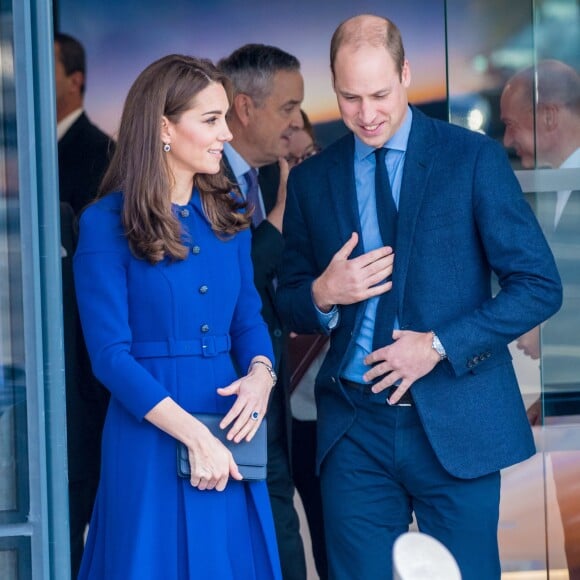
{"x":573,"y":161}
{"x":398,"y":141}
{"x":238,"y":164}
{"x":67,"y":123}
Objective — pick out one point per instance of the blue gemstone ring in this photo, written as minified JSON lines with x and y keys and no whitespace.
{"x":255,"y":416}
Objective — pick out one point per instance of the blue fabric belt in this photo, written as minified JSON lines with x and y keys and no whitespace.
{"x":208,"y":346}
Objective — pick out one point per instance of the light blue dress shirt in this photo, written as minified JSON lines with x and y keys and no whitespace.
{"x":364,"y":172}
{"x":240,"y":167}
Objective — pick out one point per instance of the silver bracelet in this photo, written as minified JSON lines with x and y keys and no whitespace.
{"x":268,"y":368}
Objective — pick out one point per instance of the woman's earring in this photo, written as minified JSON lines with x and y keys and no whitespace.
{"x":166,"y":147}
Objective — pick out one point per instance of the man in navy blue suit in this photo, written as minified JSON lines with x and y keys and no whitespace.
{"x":392,"y":234}
{"x":268,"y":90}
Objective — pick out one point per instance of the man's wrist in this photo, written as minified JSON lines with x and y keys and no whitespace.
{"x":318,"y":297}
{"x":437,"y":346}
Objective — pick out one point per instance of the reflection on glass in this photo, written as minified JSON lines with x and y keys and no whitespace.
{"x":12,"y":386}
{"x":538,"y":122}
{"x":540,"y":106}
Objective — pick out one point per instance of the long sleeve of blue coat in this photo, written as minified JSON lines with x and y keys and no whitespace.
{"x":100,"y":269}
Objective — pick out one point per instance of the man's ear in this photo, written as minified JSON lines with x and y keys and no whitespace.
{"x":77,"y":80}
{"x":243,"y":107}
{"x":406,"y":74}
{"x":549,"y":115}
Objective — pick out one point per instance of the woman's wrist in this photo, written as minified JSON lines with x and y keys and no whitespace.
{"x":264,"y":364}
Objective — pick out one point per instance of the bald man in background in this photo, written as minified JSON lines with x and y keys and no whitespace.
{"x":546,"y":134}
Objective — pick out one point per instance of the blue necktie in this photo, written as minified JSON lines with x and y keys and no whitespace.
{"x":253,"y":196}
{"x":387,"y":217}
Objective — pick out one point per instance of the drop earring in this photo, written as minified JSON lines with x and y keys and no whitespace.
{"x":166,"y":147}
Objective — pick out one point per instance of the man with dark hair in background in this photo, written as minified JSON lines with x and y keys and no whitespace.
{"x":540,"y":107}
{"x":83,"y":149}
{"x":83,"y":156}
{"x":268,"y":91}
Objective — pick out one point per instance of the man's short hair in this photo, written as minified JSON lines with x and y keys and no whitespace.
{"x":369,"y":30}
{"x":251,"y":69}
{"x":72,"y":55}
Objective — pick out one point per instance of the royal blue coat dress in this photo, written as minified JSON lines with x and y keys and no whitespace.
{"x":153,"y":331}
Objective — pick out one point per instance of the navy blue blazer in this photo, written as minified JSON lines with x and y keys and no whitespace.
{"x":461,"y":216}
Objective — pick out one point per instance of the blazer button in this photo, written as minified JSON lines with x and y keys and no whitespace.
{"x":203,"y":289}
{"x":195,"y":250}
{"x":277,"y":333}
{"x":184,"y":212}
{"x":204,"y":328}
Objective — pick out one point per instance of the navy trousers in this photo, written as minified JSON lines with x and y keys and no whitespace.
{"x":380,"y":472}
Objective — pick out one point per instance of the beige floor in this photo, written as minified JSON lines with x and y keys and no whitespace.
{"x":310,"y":568}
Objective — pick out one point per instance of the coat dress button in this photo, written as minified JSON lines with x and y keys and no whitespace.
{"x":203,"y":289}
{"x":184,"y":212}
{"x":204,"y":328}
{"x":195,"y":250}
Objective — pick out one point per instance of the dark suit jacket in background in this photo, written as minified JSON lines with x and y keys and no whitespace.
{"x":267,"y":247}
{"x":83,"y":155}
{"x":461,"y":215}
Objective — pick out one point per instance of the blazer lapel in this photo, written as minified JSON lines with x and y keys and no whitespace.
{"x":418,"y":163}
{"x":343,"y":198}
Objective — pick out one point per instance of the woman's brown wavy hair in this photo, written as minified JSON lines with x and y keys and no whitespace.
{"x":139,"y":167}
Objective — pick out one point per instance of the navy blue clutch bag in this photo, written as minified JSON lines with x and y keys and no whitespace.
{"x":251,"y":457}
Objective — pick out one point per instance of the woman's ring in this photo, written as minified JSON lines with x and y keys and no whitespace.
{"x":255,"y":416}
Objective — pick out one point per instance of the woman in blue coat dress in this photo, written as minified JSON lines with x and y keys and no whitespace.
{"x":165,"y":289}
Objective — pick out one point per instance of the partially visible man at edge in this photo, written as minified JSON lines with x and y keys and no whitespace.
{"x":546,"y":134}
{"x":268,"y":91}
{"x":83,"y":156}
{"x":84,"y":150}
{"x":418,"y":404}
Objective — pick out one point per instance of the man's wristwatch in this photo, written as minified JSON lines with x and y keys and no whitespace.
{"x":268,"y":368}
{"x":438,"y":347}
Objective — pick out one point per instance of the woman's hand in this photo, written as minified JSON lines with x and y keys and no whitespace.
{"x":211,"y":462}
{"x":253,"y":393}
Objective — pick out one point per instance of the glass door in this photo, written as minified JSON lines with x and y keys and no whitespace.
{"x":33,"y":479}
{"x":513,"y":74}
